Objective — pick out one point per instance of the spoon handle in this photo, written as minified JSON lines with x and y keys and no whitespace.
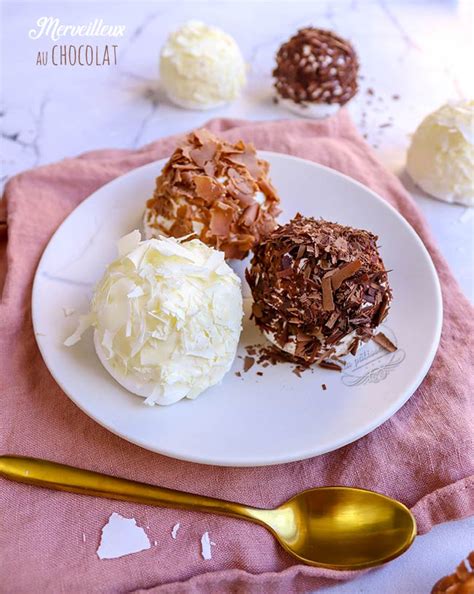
{"x":60,"y":477}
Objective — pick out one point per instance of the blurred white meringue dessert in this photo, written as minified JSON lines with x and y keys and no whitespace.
{"x":441,"y":157}
{"x":167,"y":318}
{"x":201,"y":67}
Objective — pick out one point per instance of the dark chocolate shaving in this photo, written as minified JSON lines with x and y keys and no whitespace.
{"x":384,"y":342}
{"x":328,"y":302}
{"x":248,"y":363}
{"x":354,"y":346}
{"x":330,"y":365}
{"x":344,"y":273}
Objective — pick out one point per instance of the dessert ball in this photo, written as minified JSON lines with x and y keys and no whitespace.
{"x":319,"y":288}
{"x":201,"y":67}
{"x":441,"y":156}
{"x":167,"y":317}
{"x":216,"y":190}
{"x":316,"y":73}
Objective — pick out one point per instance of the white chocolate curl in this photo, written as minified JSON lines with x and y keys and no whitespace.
{"x":167,"y":317}
{"x":201,"y":67}
{"x":441,"y":156}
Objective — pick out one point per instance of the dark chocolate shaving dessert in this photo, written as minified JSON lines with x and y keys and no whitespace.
{"x":316,"y":73}
{"x":319,"y":289}
{"x":217,"y":191}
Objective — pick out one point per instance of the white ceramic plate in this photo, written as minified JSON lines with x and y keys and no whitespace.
{"x":254,"y":420}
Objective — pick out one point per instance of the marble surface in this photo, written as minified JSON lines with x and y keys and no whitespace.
{"x":415,"y":55}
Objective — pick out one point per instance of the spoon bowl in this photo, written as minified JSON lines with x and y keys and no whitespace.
{"x":331,"y":527}
{"x":343,"y":527}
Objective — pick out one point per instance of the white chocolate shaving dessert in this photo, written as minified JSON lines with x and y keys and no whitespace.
{"x":441,"y":157}
{"x":216,"y":190}
{"x":167,"y":318}
{"x":201,"y":67}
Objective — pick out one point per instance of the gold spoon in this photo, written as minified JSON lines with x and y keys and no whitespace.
{"x":332,"y":527}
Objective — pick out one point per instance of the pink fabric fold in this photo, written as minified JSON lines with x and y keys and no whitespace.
{"x":423,"y":456}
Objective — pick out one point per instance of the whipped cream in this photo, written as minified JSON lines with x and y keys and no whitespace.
{"x":336,"y":350}
{"x":441,"y":156}
{"x":201,"y":67}
{"x":167,"y":317}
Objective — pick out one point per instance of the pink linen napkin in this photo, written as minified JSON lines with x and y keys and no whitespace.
{"x":422,"y":456}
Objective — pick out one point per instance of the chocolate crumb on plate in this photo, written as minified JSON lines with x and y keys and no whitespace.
{"x":330,"y":365}
{"x":384,"y":342}
{"x":324,"y":387}
{"x":248,"y":363}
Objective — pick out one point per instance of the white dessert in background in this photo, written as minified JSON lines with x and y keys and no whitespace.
{"x":167,"y":318}
{"x":441,"y":157}
{"x":201,"y":67}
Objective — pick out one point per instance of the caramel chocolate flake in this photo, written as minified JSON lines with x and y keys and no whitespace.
{"x":209,"y":187}
{"x":384,"y":342}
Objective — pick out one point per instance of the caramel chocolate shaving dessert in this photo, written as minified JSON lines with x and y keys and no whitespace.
{"x":215,"y":190}
{"x":316,"y":73}
{"x":319,"y":289}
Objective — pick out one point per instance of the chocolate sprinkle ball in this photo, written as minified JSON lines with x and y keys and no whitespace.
{"x":316,"y":66}
{"x":217,"y":191}
{"x":319,"y":289}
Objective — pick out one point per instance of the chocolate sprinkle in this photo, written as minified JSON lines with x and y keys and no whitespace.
{"x":324,"y":387}
{"x":316,"y":66}
{"x":208,"y":188}
{"x":384,"y":342}
{"x":335,"y":284}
